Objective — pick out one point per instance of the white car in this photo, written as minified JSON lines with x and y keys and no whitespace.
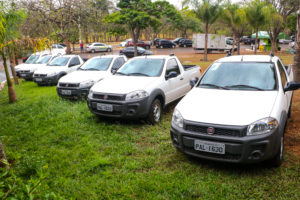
{"x":57,"y":49}
{"x":30,"y":61}
{"x":142,"y":87}
{"x":28,"y":70}
{"x":237,"y":112}
{"x":58,"y":67}
{"x":77,"y":84}
{"x":123,"y":44}
{"x":98,"y":47}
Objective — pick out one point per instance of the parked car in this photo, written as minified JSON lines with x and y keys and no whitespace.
{"x":142,"y":87}
{"x":177,"y":40}
{"x":123,"y":44}
{"x":145,"y":45}
{"x":245,"y":103}
{"x":58,"y":49}
{"x":185,"y":43}
{"x":78,"y":83}
{"x":284,"y":41}
{"x":155,"y":41}
{"x":33,"y":58}
{"x":56,"y":69}
{"x":98,"y":47}
{"x":165,"y":44}
{"x":248,"y":40}
{"x":129,"y":52}
{"x":28,"y":70}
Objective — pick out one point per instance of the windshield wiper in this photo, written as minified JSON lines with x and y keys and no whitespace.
{"x":244,"y":86}
{"x":93,"y":69}
{"x":213,"y":85}
{"x":141,"y":74}
{"x":121,"y":73}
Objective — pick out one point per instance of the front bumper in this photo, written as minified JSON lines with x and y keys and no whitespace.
{"x":46,"y":80}
{"x":72,"y":93}
{"x":246,"y":149}
{"x":121,"y":109}
{"x":25,"y":75}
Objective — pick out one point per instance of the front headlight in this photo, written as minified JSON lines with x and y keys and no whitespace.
{"x":177,"y":118}
{"x":90,"y":96}
{"x":51,"y":74}
{"x":139,"y":94}
{"x":86,"y":84}
{"x":262,"y":126}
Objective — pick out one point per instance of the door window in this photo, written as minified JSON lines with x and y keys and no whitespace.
{"x":118,"y":63}
{"x":282,"y":74}
{"x":172,"y":66}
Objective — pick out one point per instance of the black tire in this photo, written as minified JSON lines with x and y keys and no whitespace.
{"x":93,"y":50}
{"x":147,"y":47}
{"x":173,"y":46}
{"x":290,"y":108}
{"x":161,"y":46}
{"x":276,"y":161}
{"x":155,"y":112}
{"x":109,"y":50}
{"x":184,"y":45}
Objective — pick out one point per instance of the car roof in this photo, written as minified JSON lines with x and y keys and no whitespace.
{"x":69,"y":56}
{"x":154,"y":56}
{"x":106,"y":56}
{"x":249,"y":58}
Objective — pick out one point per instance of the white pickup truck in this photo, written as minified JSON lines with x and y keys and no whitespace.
{"x":77,"y":84}
{"x":237,"y":111}
{"x":28,"y":69}
{"x":56,"y":69}
{"x":142,"y":87}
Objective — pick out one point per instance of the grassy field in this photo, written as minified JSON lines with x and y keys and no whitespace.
{"x":59,"y":150}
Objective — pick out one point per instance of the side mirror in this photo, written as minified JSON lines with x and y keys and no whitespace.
{"x":292,"y":86}
{"x":171,"y":75}
{"x":193,"y":82}
{"x":113,"y":71}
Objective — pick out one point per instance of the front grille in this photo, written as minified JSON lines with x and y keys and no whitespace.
{"x":109,"y":97}
{"x":72,"y":85}
{"x":201,"y":129}
{"x":40,"y":75}
{"x":226,"y":156}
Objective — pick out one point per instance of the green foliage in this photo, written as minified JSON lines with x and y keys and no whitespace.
{"x":257,"y":14}
{"x":77,"y":155}
{"x":208,"y":11}
{"x":292,"y":23}
{"x":234,"y":16}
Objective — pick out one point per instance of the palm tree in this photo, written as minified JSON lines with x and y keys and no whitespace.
{"x":208,"y":12}
{"x":256,"y":14}
{"x":235,"y":17}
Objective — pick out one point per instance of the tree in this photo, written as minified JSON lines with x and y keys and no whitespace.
{"x":188,"y":21}
{"x":297,"y":50}
{"x":235,"y":17}
{"x":256,"y":14}
{"x":208,"y":12}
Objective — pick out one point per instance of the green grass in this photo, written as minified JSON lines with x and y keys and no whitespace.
{"x":77,"y":155}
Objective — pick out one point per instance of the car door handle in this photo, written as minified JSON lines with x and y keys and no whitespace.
{"x":181,"y":78}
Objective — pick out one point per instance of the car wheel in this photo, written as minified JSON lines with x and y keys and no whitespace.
{"x":109,"y":50}
{"x":155,"y":112}
{"x":184,"y":45}
{"x":276,"y":161}
{"x":161,"y":46}
{"x":173,"y":46}
{"x":93,"y":51}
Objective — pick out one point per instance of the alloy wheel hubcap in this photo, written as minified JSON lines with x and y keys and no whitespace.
{"x":156,"y":113}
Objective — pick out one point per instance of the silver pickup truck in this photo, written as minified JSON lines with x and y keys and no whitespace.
{"x":142,"y":87}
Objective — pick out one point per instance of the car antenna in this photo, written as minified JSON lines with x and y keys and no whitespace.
{"x":242,"y":59}
{"x":172,"y":54}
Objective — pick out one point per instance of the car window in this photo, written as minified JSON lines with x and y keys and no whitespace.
{"x":59,"y":61}
{"x":100,"y":64}
{"x":172,"y":66}
{"x":76,"y":61}
{"x":118,"y":63}
{"x":282,"y":74}
{"x":240,"y":76}
{"x":44,"y":60}
{"x":142,"y":67}
{"x":32,"y":59}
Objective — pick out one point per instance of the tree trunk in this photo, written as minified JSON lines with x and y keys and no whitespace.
{"x":233,"y":43}
{"x":2,"y":156}
{"x":13,"y":64}
{"x":297,"y":51}
{"x":135,"y":36}
{"x":238,"y":45}
{"x":255,"y":46}
{"x":274,"y":44}
{"x":11,"y":92}
{"x":206,"y":38}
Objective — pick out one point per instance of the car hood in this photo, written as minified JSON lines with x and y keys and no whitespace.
{"x":81,"y":76}
{"x":33,"y":66}
{"x":123,"y":84}
{"x":21,"y":66}
{"x":48,"y":70}
{"x":226,"y":107}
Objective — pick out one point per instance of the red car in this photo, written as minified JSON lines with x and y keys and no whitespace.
{"x":145,"y":45}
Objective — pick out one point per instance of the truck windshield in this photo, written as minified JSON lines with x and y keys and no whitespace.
{"x":60,"y":61}
{"x":44,"y":60}
{"x":99,"y":64}
{"x":142,"y":67}
{"x":240,"y":76}
{"x":32,"y":59}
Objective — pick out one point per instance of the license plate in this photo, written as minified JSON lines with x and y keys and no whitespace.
{"x":38,"y":79}
{"x":65,"y":92}
{"x":104,"y":107}
{"x":211,"y":147}
{"x":22,"y":75}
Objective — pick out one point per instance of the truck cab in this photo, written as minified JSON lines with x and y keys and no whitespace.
{"x":237,"y":111}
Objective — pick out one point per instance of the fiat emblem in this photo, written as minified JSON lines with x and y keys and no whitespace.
{"x":210,"y":130}
{"x":105,"y":97}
